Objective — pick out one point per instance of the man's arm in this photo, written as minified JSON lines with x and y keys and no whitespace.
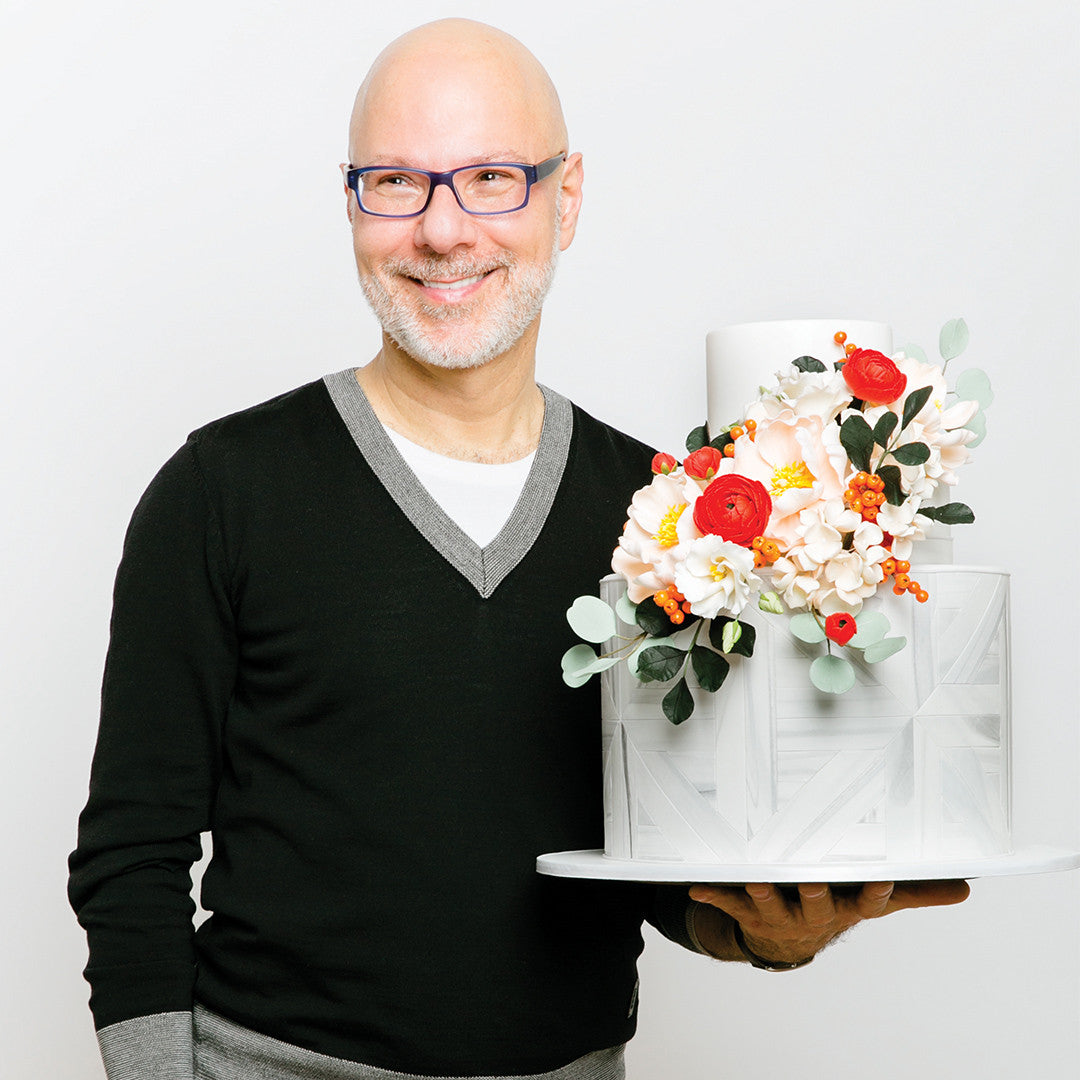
{"x":789,"y":926}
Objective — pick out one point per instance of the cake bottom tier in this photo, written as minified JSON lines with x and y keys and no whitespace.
{"x":911,"y":764}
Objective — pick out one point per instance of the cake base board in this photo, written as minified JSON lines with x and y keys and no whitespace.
{"x":1038,"y":859}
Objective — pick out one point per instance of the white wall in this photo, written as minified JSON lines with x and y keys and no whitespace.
{"x":174,"y":247}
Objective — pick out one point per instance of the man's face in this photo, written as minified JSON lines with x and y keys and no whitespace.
{"x":450,"y":288}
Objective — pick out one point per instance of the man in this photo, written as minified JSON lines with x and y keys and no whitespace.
{"x":335,"y":645}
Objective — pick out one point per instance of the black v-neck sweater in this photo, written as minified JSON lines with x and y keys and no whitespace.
{"x":380,"y":746}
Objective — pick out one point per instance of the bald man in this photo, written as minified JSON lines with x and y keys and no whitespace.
{"x":335,"y":647}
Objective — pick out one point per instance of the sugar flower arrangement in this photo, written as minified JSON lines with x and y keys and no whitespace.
{"x":809,"y":503}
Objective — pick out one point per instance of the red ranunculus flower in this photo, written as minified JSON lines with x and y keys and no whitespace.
{"x":734,"y":507}
{"x":703,"y":464}
{"x":664,"y":464}
{"x":840,"y":627}
{"x":873,"y":377}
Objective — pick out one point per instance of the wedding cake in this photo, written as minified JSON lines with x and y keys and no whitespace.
{"x":794,"y":673}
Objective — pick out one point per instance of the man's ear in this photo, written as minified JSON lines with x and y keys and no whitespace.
{"x":348,"y":193}
{"x":572,"y":177}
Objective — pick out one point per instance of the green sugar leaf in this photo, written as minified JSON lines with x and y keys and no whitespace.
{"x":953,"y":339}
{"x":974,"y":385}
{"x":808,"y":363}
{"x":770,"y":602}
{"x":882,"y":650}
{"x":574,"y":663}
{"x":890,"y":474}
{"x":832,"y":674}
{"x":916,"y":352}
{"x":652,"y":619}
{"x":626,"y":609}
{"x":710,"y":667}
{"x":912,"y":453}
{"x":590,"y":618}
{"x":678,"y":702}
{"x":731,"y":634}
{"x":741,"y":642}
{"x":977,"y":424}
{"x":883,"y":429}
{"x":914,"y":404}
{"x":658,"y":663}
{"x":954,"y":513}
{"x":871,"y":627}
{"x":857,"y":440}
{"x":806,"y":628}
{"x":697,"y":438}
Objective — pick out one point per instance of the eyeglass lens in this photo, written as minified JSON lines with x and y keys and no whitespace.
{"x":485,"y":189}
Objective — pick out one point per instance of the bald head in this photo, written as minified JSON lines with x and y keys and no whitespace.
{"x":451,"y":87}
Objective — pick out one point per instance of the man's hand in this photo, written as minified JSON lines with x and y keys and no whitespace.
{"x":789,"y":923}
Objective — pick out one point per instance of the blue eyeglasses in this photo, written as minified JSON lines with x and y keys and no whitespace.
{"x":496,"y":187}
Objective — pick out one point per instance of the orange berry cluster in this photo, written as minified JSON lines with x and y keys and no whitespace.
{"x":865,"y":495}
{"x":748,"y":427}
{"x":900,"y":571}
{"x":675,"y":605}
{"x":840,"y":337}
{"x":766,"y":551}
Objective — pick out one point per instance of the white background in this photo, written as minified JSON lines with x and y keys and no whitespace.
{"x":174,"y":247}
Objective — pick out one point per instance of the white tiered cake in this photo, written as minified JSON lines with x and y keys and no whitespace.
{"x":909,"y":766}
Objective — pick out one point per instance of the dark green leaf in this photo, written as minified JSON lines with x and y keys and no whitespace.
{"x":912,"y":453}
{"x":721,"y":441}
{"x":884,"y":427}
{"x":955,"y":513}
{"x":858,"y":441}
{"x":658,"y":663}
{"x":710,"y":668}
{"x":652,"y":619}
{"x":743,"y":647}
{"x":678,"y":702}
{"x":808,"y":363}
{"x":915,"y":401}
{"x":894,"y":493}
{"x":697,"y":438}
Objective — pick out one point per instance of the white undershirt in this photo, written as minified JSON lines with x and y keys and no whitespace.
{"x":478,"y":497}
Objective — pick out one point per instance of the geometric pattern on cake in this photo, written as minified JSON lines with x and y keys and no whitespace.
{"x":911,"y":764}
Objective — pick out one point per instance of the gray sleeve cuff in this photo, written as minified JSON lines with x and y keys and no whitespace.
{"x":156,"y":1047}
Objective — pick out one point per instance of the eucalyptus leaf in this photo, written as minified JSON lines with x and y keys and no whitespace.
{"x":954,"y":513}
{"x":912,"y":453}
{"x":770,"y":602}
{"x":590,"y":618}
{"x":626,"y":609}
{"x":882,"y":650}
{"x":808,"y":363}
{"x":914,"y":403}
{"x":857,"y":440}
{"x":894,"y":493}
{"x":974,"y":385}
{"x":953,"y":339}
{"x":697,"y":438}
{"x":574,"y":662}
{"x":885,"y":426}
{"x":658,"y":663}
{"x":678,"y":703}
{"x":832,"y":674}
{"x":806,"y":628}
{"x":916,"y":352}
{"x":870,"y":627}
{"x":710,"y":667}
{"x":601,"y":663}
{"x":977,"y":424}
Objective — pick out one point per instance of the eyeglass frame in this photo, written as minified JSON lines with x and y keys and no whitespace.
{"x":533,"y":175}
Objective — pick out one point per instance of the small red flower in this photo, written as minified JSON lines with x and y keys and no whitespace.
{"x":873,"y":377}
{"x":664,"y":464}
{"x":703,"y":464}
{"x":733,"y":507}
{"x":840,"y":627}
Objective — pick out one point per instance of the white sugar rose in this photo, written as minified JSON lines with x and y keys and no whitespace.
{"x":716,"y":576}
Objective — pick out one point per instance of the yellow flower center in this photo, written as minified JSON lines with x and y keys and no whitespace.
{"x":795,"y":475}
{"x":719,"y":571}
{"x":665,"y":534}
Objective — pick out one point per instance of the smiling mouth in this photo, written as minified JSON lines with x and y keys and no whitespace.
{"x":457,"y":283}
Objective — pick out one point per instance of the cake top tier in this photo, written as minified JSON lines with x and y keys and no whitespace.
{"x":740,"y":359}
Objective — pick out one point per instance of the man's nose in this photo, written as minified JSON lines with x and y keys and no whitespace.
{"x":444,"y":226}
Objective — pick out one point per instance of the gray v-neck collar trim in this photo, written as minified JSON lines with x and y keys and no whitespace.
{"x":484,"y":568}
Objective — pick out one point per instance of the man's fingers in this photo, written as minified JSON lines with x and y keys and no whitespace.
{"x":818,"y":907}
{"x":914,"y":894}
{"x":873,"y":899}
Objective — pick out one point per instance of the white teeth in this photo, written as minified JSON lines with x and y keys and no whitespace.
{"x":459,"y":284}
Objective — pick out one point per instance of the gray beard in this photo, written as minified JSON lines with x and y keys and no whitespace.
{"x":481,"y":337}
